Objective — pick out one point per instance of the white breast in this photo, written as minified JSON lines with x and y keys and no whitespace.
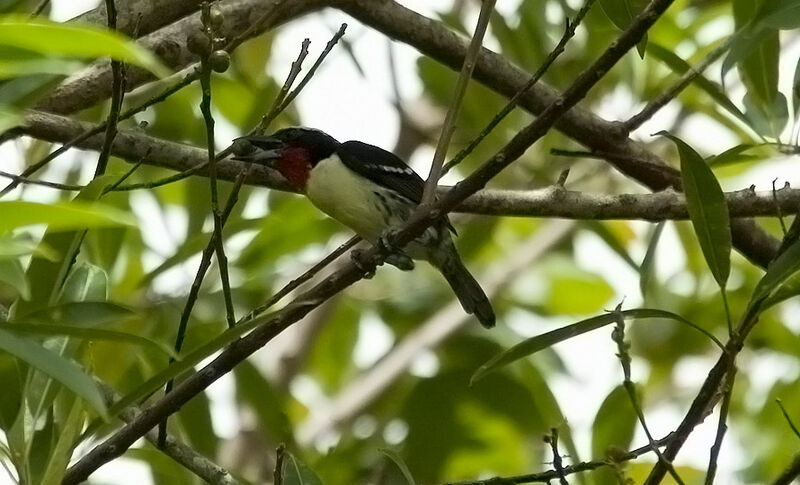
{"x":348,"y":197}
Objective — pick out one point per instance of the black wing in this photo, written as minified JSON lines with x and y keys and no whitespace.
{"x":382,"y":167}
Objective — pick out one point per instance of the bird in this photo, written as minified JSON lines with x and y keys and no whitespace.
{"x":370,"y":190}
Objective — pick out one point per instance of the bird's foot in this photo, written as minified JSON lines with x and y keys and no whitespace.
{"x":357,"y":257}
{"x":396,"y":257}
{"x":400,"y":261}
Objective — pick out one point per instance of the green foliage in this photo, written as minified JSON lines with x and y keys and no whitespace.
{"x":708,"y":210}
{"x":34,"y":40}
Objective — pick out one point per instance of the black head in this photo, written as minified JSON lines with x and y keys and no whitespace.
{"x":317,"y":143}
{"x":291,"y":151}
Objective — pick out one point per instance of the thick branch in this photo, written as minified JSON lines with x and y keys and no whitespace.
{"x":141,"y":16}
{"x":94,"y":83}
{"x":550,"y":202}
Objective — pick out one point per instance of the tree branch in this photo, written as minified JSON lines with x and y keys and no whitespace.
{"x":169,"y":43}
{"x":549,"y":202}
{"x":549,"y":475}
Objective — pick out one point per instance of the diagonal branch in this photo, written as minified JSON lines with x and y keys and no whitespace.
{"x":449,"y":126}
{"x":440,"y":326}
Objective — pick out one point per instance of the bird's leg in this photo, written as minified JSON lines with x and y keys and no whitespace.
{"x":357,"y":257}
{"x":396,"y":257}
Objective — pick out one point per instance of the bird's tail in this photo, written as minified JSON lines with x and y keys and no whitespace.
{"x":468,"y":291}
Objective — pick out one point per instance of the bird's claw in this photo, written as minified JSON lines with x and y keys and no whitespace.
{"x":357,"y":257}
{"x":385,"y":243}
{"x":396,"y":257}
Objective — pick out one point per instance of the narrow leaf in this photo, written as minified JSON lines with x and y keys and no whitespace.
{"x":65,"y":371}
{"x":295,"y":472}
{"x":53,"y":38}
{"x":708,"y":210}
{"x":679,"y":66}
{"x":546,"y":340}
{"x":88,"y":334}
{"x":401,"y":464}
{"x":61,"y":215}
{"x":647,"y":267}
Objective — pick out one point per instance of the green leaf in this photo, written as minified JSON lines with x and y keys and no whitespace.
{"x":708,"y":210}
{"x":88,"y":334}
{"x":70,"y":429}
{"x":12,"y":273}
{"x":14,"y":247}
{"x":679,"y":66}
{"x":767,"y":118}
{"x":779,"y":282}
{"x":546,"y":340}
{"x":47,"y":277}
{"x":10,"y":117}
{"x":647,"y":267}
{"x":49,"y":38}
{"x":15,"y":62}
{"x":85,"y":282}
{"x":61,"y":216}
{"x":253,"y":390}
{"x":736,"y":154}
{"x":755,"y":50}
{"x":295,"y":472}
{"x":65,"y":371}
{"x":401,"y":464}
{"x":622,"y":12}
{"x":796,"y":90}
{"x":779,"y":14}
{"x":612,"y":430}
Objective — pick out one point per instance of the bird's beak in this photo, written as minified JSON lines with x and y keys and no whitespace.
{"x":264,"y":150}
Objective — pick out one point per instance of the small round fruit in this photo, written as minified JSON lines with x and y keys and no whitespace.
{"x":220,"y":61}
{"x":198,"y":43}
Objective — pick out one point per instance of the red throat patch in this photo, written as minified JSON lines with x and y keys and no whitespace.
{"x":295,"y":165}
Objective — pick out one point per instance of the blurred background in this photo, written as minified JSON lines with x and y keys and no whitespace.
{"x":387,"y":363}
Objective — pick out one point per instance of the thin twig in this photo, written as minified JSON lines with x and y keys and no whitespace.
{"x":208,"y":117}
{"x":552,"y":440}
{"x":547,"y":476}
{"x":618,"y":336}
{"x":569,"y":33}
{"x":310,"y":74}
{"x":788,"y":418}
{"x":53,"y":185}
{"x":182,"y":454}
{"x":722,"y":427}
{"x":449,"y":127}
{"x":268,"y":326}
{"x":124,"y":177}
{"x":40,"y":8}
{"x":693,"y":73}
{"x":791,"y":472}
{"x":780,"y":215}
{"x":277,"y":474}
{"x":309,"y":273}
{"x":194,"y":290}
{"x":117,"y":95}
{"x":273,"y":110}
{"x":163,"y":181}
